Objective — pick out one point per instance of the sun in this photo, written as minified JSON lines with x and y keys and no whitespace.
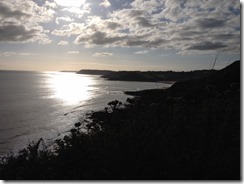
{"x":70,"y":3}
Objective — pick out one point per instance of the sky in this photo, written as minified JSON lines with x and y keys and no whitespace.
{"x":179,"y":35}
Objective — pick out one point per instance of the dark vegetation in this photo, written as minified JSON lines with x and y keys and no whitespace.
{"x":190,"y":131}
{"x":151,"y":76}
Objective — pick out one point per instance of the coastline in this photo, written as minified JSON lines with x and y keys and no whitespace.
{"x":148,"y":76}
{"x":188,"y":131}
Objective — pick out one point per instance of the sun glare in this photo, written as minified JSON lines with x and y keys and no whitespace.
{"x":71,"y":88}
{"x":70,"y":3}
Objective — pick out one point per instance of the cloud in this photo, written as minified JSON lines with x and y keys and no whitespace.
{"x":15,"y":33}
{"x":50,"y":5}
{"x":27,"y":12}
{"x":7,"y":11}
{"x":78,"y":11}
{"x":207,"y":46}
{"x":185,"y":26}
{"x":113,"y":25}
{"x":105,"y":3}
{"x":142,"y":52}
{"x":63,"y":20}
{"x":70,"y":3}
{"x":8,"y":54}
{"x":73,"y":52}
{"x":25,"y":54}
{"x":20,"y":21}
{"x":99,"y":38}
{"x":62,"y":43}
{"x":119,"y":30}
{"x":102,"y":54}
{"x":150,"y":6}
{"x":210,"y":23}
{"x":69,"y":29}
{"x":143,"y":22}
{"x":21,"y":33}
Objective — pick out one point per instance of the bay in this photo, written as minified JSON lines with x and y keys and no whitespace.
{"x":46,"y":105}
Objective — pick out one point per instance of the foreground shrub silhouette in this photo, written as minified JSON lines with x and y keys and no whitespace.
{"x":183,"y":133}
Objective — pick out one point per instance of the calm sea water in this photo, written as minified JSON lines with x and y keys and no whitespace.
{"x":46,"y":105}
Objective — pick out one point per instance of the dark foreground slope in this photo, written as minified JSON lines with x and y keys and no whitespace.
{"x":190,"y":131}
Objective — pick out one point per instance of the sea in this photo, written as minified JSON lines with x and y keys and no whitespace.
{"x":46,"y":105}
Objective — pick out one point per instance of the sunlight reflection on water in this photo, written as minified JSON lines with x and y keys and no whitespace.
{"x":70,"y":87}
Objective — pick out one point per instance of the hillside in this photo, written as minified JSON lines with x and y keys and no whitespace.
{"x":94,"y":72}
{"x":149,"y":76}
{"x":153,"y":76}
{"x":218,"y":82}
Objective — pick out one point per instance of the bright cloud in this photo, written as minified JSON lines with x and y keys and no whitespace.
{"x":50,"y":5}
{"x":105,"y":3}
{"x":63,"y":20}
{"x":77,"y":11}
{"x":142,"y":52}
{"x":62,"y":43}
{"x":70,"y":3}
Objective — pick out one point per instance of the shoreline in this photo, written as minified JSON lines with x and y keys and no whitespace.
{"x":189,"y":131}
